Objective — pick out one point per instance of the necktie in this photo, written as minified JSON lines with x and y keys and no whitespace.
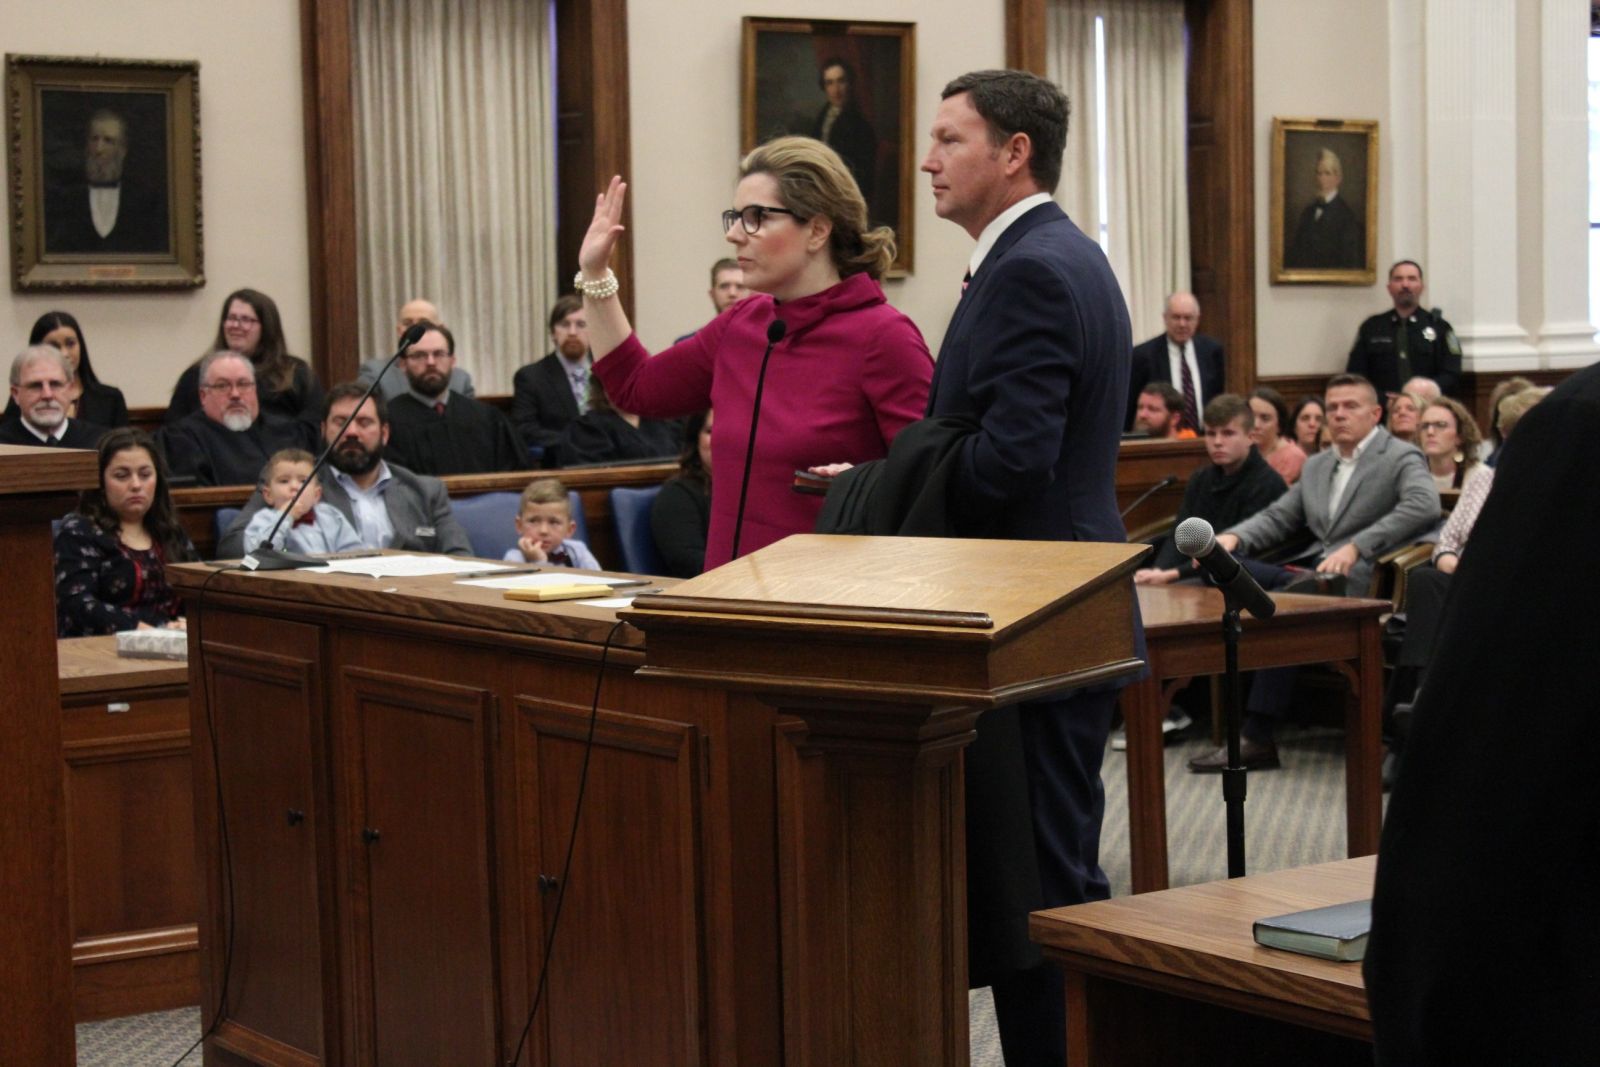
{"x":1402,"y":353}
{"x":438,"y":407}
{"x":966,"y":279}
{"x":1191,"y":416}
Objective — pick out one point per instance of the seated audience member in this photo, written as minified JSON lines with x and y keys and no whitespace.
{"x":1159,"y":413}
{"x":1484,"y":940}
{"x":549,"y":394}
{"x":394,"y":379}
{"x":1178,"y":352}
{"x":1404,"y":412}
{"x":545,"y":527}
{"x":390,"y":506}
{"x":1496,"y":435}
{"x":312,"y":526}
{"x":605,"y":434}
{"x":286,"y":385}
{"x":681,"y":514}
{"x":228,"y":440}
{"x":1307,"y":422}
{"x":727,"y":288}
{"x":1366,"y":495}
{"x":1237,"y":484}
{"x":436,"y":431}
{"x":93,"y":401}
{"x":1424,"y":389}
{"x":1449,"y":438}
{"x":1271,"y":416}
{"x":41,"y":380}
{"x":112,"y":553}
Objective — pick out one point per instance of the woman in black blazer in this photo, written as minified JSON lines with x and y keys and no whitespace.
{"x":97,"y":403}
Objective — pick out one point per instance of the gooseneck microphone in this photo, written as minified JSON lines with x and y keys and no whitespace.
{"x":1195,"y":539}
{"x":267,"y":558}
{"x":775,"y":331}
{"x":1171,"y":479}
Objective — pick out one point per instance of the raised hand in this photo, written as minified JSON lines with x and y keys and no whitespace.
{"x":594,"y":256}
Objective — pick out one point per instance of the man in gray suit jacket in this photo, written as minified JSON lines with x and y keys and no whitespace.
{"x":1368,"y":494}
{"x":388,"y":505}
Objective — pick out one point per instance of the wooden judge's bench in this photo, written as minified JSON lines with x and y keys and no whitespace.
{"x":769,"y":864}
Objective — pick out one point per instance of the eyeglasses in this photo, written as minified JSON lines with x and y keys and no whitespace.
{"x":241,"y":320}
{"x":753,"y":216}
{"x":229,"y":387}
{"x":1440,"y":426}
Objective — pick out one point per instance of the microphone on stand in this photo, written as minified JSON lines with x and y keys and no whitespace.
{"x":775,"y":331}
{"x":1195,"y":539}
{"x":267,"y":558}
{"x":1169,"y":480}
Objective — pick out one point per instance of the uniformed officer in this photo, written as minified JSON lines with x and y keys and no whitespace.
{"x":1387,"y":356}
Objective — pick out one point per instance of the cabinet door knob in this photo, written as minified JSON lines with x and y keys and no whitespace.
{"x":296,"y":816}
{"x":369,"y":835}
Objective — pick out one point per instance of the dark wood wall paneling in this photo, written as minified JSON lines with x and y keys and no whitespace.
{"x":592,"y":138}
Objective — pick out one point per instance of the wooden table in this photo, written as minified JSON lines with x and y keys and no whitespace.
{"x":130,"y":830}
{"x":1175,"y":976}
{"x":1183,"y":632}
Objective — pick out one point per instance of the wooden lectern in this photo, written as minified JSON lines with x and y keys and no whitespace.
{"x":36,"y":486}
{"x":769,"y":864}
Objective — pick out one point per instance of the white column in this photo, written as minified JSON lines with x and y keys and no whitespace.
{"x":1566,"y":336}
{"x":1470,"y":148}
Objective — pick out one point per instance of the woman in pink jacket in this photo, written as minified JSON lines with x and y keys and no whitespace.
{"x":847,"y":375}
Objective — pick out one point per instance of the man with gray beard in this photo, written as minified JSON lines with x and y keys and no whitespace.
{"x":40,"y":379}
{"x":229,"y":439}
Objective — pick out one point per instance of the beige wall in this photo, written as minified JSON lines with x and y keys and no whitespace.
{"x":685,"y":98}
{"x":1318,"y":60}
{"x":253,"y":180}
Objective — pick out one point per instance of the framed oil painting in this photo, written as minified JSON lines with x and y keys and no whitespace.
{"x":1324,"y":201}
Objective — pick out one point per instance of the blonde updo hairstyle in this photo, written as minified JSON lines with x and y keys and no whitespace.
{"x":814,"y":181}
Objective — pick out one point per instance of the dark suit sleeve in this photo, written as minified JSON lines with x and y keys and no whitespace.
{"x":310,"y":391}
{"x":1357,"y":363}
{"x":509,"y":452}
{"x":534,"y":423}
{"x":1021,"y":381}
{"x":1213,"y":367}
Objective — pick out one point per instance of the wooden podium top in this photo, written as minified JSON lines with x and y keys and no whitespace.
{"x":26,"y":469}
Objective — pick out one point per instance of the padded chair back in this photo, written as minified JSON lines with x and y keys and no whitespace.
{"x":224,"y":519}
{"x":631,"y":509}
{"x":490,"y":520}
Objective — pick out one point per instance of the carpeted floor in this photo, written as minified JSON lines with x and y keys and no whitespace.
{"x":1293,"y":817}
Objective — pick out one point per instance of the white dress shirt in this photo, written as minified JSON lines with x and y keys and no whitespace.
{"x":103,"y":203}
{"x":1344,"y":469}
{"x":998,"y":225}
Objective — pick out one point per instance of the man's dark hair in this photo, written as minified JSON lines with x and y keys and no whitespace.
{"x":439,"y":327}
{"x":835,"y":61}
{"x":1224,"y":408}
{"x":1014,"y":101}
{"x":725,"y":263}
{"x":1169,"y":395}
{"x":1401,"y":263}
{"x":354,"y":391}
{"x":571,"y":302}
{"x":1339,"y":380}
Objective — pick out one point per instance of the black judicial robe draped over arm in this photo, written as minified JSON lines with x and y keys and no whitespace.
{"x":1486,"y":920}
{"x":470,"y":437}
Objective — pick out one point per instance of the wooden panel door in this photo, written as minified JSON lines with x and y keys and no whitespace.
{"x":420,"y":815}
{"x":626,"y":981}
{"x":267,"y":712}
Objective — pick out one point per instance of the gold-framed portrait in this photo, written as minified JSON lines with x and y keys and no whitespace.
{"x":105,"y":173}
{"x":851,"y":85}
{"x":1324,"y":225}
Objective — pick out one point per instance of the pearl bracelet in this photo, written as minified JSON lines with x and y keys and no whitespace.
{"x":604,"y":289}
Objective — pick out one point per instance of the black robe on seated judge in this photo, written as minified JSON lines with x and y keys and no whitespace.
{"x":79,"y":434}
{"x":210,"y":453}
{"x":1485,"y":927}
{"x":470,"y":437}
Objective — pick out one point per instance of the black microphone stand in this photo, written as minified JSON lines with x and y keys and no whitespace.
{"x":1233,"y":775}
{"x":775,"y":331}
{"x":267,"y":558}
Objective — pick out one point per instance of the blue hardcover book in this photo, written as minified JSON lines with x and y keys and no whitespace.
{"x":1334,"y":933}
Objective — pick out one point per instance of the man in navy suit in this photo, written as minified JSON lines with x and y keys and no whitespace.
{"x":1179,"y":349}
{"x":1037,"y":354}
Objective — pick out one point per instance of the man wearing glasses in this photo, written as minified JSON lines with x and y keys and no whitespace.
{"x":435,"y":430}
{"x":40,"y":379}
{"x":229,"y":439}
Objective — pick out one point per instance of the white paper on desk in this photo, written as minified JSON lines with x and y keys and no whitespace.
{"x":608,"y":602}
{"x":402,"y":566}
{"x":561,"y":576}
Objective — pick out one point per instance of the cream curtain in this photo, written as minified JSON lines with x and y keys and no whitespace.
{"x":1147,"y":197}
{"x":455,"y":175}
{"x":1070,"y":63}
